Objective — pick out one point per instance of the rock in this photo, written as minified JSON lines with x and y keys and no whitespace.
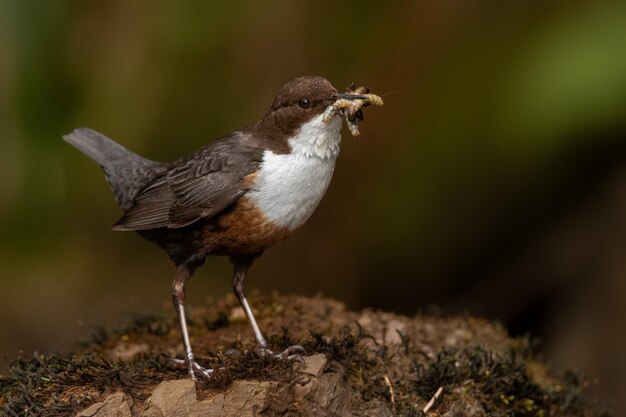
{"x":115,"y":405}
{"x":359,"y":364}
{"x":326,"y":392}
{"x":314,"y":366}
{"x":178,"y":398}
{"x":331,"y":393}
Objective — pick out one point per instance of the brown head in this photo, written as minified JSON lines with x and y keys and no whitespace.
{"x":304,"y":97}
{"x":297,"y":102}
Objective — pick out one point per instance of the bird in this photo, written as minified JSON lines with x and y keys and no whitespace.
{"x":235,"y":197}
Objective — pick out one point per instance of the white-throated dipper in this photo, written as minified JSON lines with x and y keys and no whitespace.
{"x":237,"y":196}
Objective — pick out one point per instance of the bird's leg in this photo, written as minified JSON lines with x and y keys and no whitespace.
{"x":178,"y":297}
{"x":241,"y":264}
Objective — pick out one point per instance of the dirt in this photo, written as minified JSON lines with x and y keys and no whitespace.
{"x":357,"y":364}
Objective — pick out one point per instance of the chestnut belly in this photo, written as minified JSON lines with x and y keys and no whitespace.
{"x":240,"y":229}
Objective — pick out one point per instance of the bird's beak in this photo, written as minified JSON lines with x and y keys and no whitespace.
{"x":348,"y":96}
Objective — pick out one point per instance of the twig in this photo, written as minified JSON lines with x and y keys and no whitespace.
{"x":391,"y":393}
{"x":430,"y":404}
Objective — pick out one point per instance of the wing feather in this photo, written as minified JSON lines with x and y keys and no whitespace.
{"x":198,"y":186}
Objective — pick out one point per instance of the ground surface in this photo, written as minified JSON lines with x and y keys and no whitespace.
{"x":363,"y":363}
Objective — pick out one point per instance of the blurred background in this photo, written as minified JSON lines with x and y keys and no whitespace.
{"x":493,"y":181}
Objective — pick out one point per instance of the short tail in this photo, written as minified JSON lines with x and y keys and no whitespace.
{"x":126,"y":172}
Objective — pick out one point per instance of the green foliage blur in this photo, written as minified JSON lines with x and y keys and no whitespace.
{"x":499,"y":117}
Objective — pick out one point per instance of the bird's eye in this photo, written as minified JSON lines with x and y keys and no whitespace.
{"x":304,"y":103}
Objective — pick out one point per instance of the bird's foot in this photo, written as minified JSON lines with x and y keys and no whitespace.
{"x":292,"y":353}
{"x":195,"y":369}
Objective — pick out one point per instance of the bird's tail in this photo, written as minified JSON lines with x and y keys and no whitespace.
{"x":126,"y":172}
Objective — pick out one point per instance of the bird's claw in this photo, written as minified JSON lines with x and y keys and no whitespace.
{"x":292,"y":353}
{"x":205,"y":372}
{"x":178,"y":362}
{"x":195,"y":369}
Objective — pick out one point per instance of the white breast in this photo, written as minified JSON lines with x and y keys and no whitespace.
{"x":289,"y":187}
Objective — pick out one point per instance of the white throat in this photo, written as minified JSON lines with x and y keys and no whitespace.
{"x":289,"y":187}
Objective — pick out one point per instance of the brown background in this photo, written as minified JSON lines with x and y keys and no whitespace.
{"x":492,"y":182}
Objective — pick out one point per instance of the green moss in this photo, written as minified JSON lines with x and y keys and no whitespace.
{"x":495,"y":373}
{"x":501,"y":383}
{"x":56,"y":386}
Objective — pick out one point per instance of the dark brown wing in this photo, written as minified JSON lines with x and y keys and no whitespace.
{"x":197,"y":186}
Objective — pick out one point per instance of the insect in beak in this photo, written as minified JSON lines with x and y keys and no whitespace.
{"x":348,"y":96}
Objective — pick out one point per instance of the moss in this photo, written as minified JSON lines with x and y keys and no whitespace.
{"x":501,"y":382}
{"x":148,"y":323}
{"x":471,"y":359}
{"x":56,"y":386}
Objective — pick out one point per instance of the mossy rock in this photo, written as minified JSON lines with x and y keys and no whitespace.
{"x":365,"y":363}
